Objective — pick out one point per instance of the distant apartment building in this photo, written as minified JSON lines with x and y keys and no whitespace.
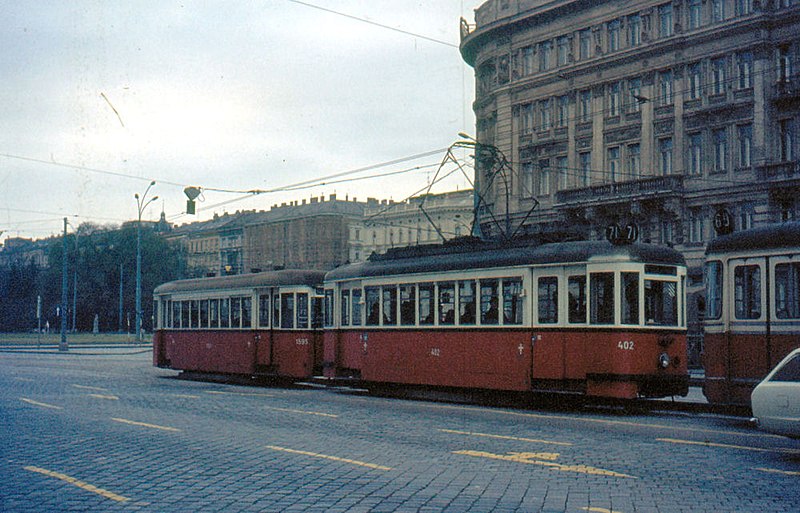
{"x":666,"y":114}
{"x":24,"y":252}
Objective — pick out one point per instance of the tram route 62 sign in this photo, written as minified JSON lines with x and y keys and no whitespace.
{"x":723,"y":222}
{"x":616,"y":234}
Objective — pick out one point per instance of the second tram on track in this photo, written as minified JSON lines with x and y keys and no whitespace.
{"x":752,"y":318}
{"x":582,"y":317}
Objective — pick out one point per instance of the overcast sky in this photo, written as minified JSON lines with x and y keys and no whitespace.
{"x":99,"y":98}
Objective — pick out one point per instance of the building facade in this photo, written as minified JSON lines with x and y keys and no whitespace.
{"x":658,"y":113}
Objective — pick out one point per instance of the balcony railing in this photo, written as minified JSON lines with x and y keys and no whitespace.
{"x":787,"y":88}
{"x":789,"y":170}
{"x":646,"y":187}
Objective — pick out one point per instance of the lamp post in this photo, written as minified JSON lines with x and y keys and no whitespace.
{"x":141,"y":204}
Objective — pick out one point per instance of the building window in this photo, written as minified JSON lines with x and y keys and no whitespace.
{"x":665,"y":87}
{"x":665,"y":156}
{"x":745,"y":133}
{"x":695,"y":14}
{"x":527,"y":60}
{"x":613,"y":28}
{"x":786,"y":140}
{"x":694,"y":79}
{"x":634,"y":162}
{"x":585,"y":40}
{"x":563,"y":172}
{"x":784,"y":64}
{"x":744,"y":70}
{"x":562,"y":114}
{"x":613,"y":165}
{"x":545,"y":60}
{"x":543,"y":184}
{"x":527,"y":179}
{"x":720,"y":138}
{"x":585,"y":163}
{"x":545,"y":115}
{"x":636,"y":98}
{"x":634,"y":30}
{"x":696,"y":226}
{"x":746,"y":217}
{"x":717,"y":11}
{"x":665,"y":21}
{"x":744,"y":7}
{"x":585,"y":100}
{"x":718,"y":75}
{"x":526,"y":118}
{"x":666,"y":232}
{"x":562,"y":56}
{"x":695,"y":154}
{"x":613,"y":99}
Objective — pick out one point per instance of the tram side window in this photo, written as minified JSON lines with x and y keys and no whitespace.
{"x":214,"y":312}
{"x":276,"y":310}
{"x":713,"y":283}
{"x":316,"y":312}
{"x":512,"y":302}
{"x":489,"y":302}
{"x":328,"y":320}
{"x":356,"y":297}
{"x":176,"y":314}
{"x":373,"y":305}
{"x":204,"y":313}
{"x":302,"y":310}
{"x":630,"y":298}
{"x":747,"y":291}
{"x":466,"y":302}
{"x":548,"y":300}
{"x":287,"y":310}
{"x":390,"y":306}
{"x":345,"y":306}
{"x":447,"y":303}
{"x":186,"y":312}
{"x":263,"y":310}
{"x":576,"y":288}
{"x":236,"y":312}
{"x":195,"y":313}
{"x":602,"y":298}
{"x":224,"y":312}
{"x":408,"y":305}
{"x":426,"y":304}
{"x":787,"y":291}
{"x":247,"y":312}
{"x":661,"y":302}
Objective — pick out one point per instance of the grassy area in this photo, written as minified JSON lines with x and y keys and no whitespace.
{"x":72,"y":338}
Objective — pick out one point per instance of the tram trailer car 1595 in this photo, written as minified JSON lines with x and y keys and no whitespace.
{"x":266,"y":323}
{"x":584,"y":317}
{"x":752,"y":318}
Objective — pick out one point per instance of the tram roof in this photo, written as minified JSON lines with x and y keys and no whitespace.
{"x":487,"y":255}
{"x":764,"y":237}
{"x":283,"y":277}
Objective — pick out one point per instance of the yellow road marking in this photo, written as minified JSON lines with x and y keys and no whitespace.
{"x":144,"y":424}
{"x":504,"y":437}
{"x":778,"y":471}
{"x":600,"y":510}
{"x":303,"y":411}
{"x":544,"y":459}
{"x":326,"y":457}
{"x":727,"y":446}
{"x":85,"y":387}
{"x":79,"y":484}
{"x":101,"y":396}
{"x":601,"y":421}
{"x":250,"y":394}
{"x":37,"y":403}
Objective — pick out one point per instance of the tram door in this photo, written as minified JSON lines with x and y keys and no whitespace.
{"x":548,"y":342}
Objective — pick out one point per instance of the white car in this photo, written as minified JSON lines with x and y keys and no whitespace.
{"x":776,"y":400}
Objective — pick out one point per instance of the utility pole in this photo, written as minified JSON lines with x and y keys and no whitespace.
{"x":75,"y":287}
{"x":120,"y":299}
{"x":141,"y":204}
{"x":64,"y":286}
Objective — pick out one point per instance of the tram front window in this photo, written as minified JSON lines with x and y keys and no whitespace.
{"x":661,"y":303}
{"x":602,"y":298}
{"x":713,"y":283}
{"x":630,"y":298}
{"x":787,"y":291}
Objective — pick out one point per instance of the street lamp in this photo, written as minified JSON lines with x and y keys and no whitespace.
{"x":141,"y":204}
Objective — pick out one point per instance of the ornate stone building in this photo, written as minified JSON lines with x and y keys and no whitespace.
{"x":661,"y":113}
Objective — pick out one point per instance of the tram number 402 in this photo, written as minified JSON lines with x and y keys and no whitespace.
{"x":625,"y":345}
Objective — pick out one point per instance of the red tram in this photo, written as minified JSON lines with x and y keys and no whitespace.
{"x":266,"y":324}
{"x":752,"y":320}
{"x":584,"y":317}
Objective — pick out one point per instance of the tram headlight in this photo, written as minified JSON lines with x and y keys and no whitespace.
{"x":663,"y":360}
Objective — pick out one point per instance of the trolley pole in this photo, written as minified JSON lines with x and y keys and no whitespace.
{"x":62,"y":346}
